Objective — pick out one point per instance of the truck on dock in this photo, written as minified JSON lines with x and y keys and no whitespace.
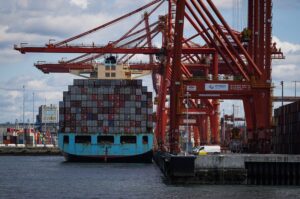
{"x":207,"y":149}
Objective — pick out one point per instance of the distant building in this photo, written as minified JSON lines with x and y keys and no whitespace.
{"x":47,"y":119}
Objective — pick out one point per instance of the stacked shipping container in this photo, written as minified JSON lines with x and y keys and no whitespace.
{"x":17,"y":136}
{"x":106,"y":107}
{"x":286,"y":137}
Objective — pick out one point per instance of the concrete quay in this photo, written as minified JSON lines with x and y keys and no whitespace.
{"x":252,"y":169}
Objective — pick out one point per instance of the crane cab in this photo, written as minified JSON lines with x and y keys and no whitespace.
{"x":111,"y":69}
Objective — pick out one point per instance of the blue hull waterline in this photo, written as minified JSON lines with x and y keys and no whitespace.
{"x":129,"y":148}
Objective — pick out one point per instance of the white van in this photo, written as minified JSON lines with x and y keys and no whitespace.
{"x":207,"y":149}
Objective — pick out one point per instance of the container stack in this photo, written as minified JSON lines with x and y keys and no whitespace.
{"x":286,"y":137}
{"x":17,"y":136}
{"x":107,"y":107}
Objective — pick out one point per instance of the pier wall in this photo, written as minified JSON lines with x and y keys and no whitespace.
{"x":252,"y":169}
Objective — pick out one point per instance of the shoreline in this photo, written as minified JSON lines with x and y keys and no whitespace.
{"x":29,"y":151}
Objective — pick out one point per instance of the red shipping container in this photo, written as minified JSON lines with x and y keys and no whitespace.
{"x":110,"y":116}
{"x":94,"y":97}
{"x":6,"y":141}
{"x":105,"y":129}
{"x":67,"y":117}
{"x":138,"y":98}
{"x":84,"y":129}
{"x":111,"y":97}
{"x":83,"y":90}
{"x":10,"y":130}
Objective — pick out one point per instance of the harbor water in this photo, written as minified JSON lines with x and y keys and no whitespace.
{"x":51,"y":177}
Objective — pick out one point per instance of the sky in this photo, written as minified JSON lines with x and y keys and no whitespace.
{"x":35,"y":22}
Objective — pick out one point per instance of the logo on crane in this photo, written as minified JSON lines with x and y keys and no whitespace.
{"x":216,"y":87}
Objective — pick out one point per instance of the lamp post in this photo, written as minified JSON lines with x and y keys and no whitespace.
{"x":24,"y":132}
{"x":187,"y":121}
{"x":282,"y":109}
{"x":281,"y":83}
{"x":296,"y":87}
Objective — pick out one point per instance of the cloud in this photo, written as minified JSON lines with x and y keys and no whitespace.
{"x":287,"y":47}
{"x":35,"y":84}
{"x":287,"y":69}
{"x":226,"y":3}
{"x":80,"y":3}
{"x":8,"y":37}
{"x":287,"y":5}
{"x":286,"y":72}
{"x":47,"y":88}
{"x":8,"y":55}
{"x":58,"y":27}
{"x":23,"y":3}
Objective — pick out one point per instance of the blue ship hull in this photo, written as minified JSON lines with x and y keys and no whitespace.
{"x":116,"y":149}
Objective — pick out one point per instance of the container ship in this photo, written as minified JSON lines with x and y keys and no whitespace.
{"x":106,"y":120}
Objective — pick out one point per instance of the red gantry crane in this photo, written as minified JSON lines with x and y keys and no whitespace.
{"x":191,"y":72}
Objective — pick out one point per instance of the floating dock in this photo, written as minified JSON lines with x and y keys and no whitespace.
{"x":251,"y":169}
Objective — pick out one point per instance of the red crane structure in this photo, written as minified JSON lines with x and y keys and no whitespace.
{"x":191,"y":72}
